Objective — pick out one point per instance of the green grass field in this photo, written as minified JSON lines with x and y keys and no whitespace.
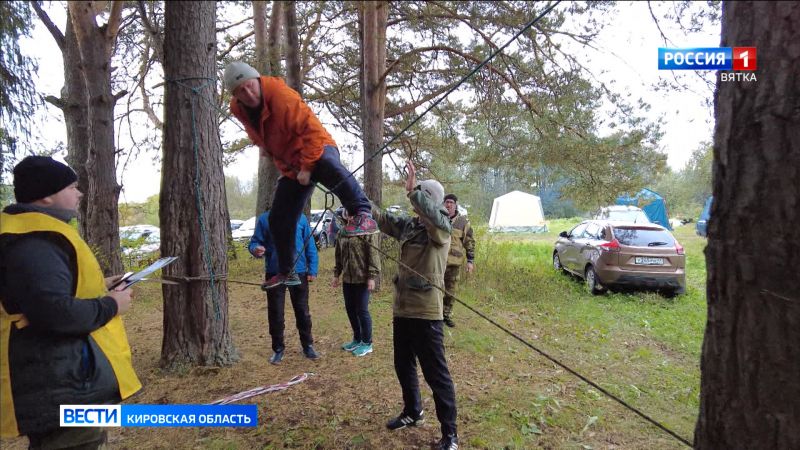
{"x":640,"y":346}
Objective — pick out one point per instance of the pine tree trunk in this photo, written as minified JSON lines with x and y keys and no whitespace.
{"x":76,"y":119}
{"x":373,"y":56}
{"x":267,"y":62}
{"x":101,"y":222}
{"x":192,"y":206}
{"x":750,"y":382}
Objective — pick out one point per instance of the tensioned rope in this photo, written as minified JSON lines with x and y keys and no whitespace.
{"x":541,"y":352}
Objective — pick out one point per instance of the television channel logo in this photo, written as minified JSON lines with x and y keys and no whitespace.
{"x":708,"y":58}
{"x":137,"y":415}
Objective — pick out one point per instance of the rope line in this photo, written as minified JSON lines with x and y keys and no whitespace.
{"x":262,"y":390}
{"x":543,"y":353}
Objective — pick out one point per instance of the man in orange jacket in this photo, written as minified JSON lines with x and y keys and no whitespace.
{"x":285,"y":128}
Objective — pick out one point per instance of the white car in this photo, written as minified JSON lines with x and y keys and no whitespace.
{"x":245,"y":230}
{"x":139,"y":239}
{"x":235,"y":224}
{"x":622,"y":213}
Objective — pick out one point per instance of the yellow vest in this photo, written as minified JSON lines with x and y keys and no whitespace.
{"x":111,"y":337}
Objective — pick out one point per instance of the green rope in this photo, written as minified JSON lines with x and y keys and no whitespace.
{"x":199,"y":202}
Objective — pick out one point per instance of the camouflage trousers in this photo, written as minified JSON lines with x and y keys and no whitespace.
{"x":450,"y":280}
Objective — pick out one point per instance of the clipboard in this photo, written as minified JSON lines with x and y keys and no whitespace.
{"x":131,"y":278}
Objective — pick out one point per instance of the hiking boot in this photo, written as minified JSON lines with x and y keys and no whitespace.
{"x":362,"y":224}
{"x":404,"y":420}
{"x":310,"y":353}
{"x":363,"y":349}
{"x":449,"y":442}
{"x":449,"y":322}
{"x":280,"y":279}
{"x":350,"y":346}
{"x":276,"y":358}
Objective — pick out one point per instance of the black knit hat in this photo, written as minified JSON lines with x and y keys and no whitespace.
{"x":451,"y":197}
{"x":37,"y":177}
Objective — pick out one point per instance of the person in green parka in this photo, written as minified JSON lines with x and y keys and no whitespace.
{"x":417,"y":324}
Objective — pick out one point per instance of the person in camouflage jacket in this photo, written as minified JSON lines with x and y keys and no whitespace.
{"x":417,"y":324}
{"x":462,"y":244}
{"x":358,"y":265}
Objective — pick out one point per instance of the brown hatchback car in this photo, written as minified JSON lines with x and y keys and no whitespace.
{"x":610,"y":254}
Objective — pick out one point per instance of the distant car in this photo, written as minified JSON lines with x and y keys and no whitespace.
{"x":462,"y":211}
{"x":323,"y":233}
{"x":245,"y":230}
{"x":139,"y":239}
{"x":622,"y":213}
{"x":610,"y":254}
{"x":235,"y":224}
{"x":395,"y":209}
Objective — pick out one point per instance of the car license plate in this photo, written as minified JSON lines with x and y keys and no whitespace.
{"x":648,"y":261}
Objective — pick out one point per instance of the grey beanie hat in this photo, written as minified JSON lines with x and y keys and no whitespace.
{"x":433,"y":189}
{"x":237,"y":73}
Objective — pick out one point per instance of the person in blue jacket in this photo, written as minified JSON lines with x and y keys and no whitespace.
{"x":262,"y":245}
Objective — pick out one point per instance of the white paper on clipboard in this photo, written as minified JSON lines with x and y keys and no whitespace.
{"x":138,"y":276}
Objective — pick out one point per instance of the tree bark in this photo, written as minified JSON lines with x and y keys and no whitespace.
{"x":96,"y":44}
{"x":267,"y":62}
{"x":293,"y":74}
{"x":374,"y":15}
{"x":192,"y":206}
{"x":750,"y":381}
{"x":76,"y":119}
{"x":74,"y":104}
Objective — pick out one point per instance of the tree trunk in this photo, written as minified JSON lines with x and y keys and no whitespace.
{"x":267,"y":62}
{"x":74,"y":104}
{"x":96,"y":46}
{"x":750,"y":382}
{"x":293,"y":75}
{"x":373,"y":64}
{"x":192,"y":206}
{"x":76,"y":119}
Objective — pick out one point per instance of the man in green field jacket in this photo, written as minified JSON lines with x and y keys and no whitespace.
{"x":417,"y":324}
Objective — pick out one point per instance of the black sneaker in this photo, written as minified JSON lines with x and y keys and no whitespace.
{"x":449,"y":442}
{"x":310,"y":353}
{"x":276,"y":357}
{"x":449,"y":322}
{"x":404,"y":420}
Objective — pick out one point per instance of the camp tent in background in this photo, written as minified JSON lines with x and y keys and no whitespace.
{"x":702,"y":222}
{"x":651,"y":203}
{"x":517,"y":211}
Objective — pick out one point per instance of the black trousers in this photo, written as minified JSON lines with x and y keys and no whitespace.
{"x":291,"y":197}
{"x":276,"y":298}
{"x":424,"y":340}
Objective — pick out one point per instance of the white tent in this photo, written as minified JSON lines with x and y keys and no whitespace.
{"x":517,"y":211}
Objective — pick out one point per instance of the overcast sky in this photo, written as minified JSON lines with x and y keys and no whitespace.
{"x":628,"y":59}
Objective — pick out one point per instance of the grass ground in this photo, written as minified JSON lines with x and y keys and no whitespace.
{"x":640,"y":346}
